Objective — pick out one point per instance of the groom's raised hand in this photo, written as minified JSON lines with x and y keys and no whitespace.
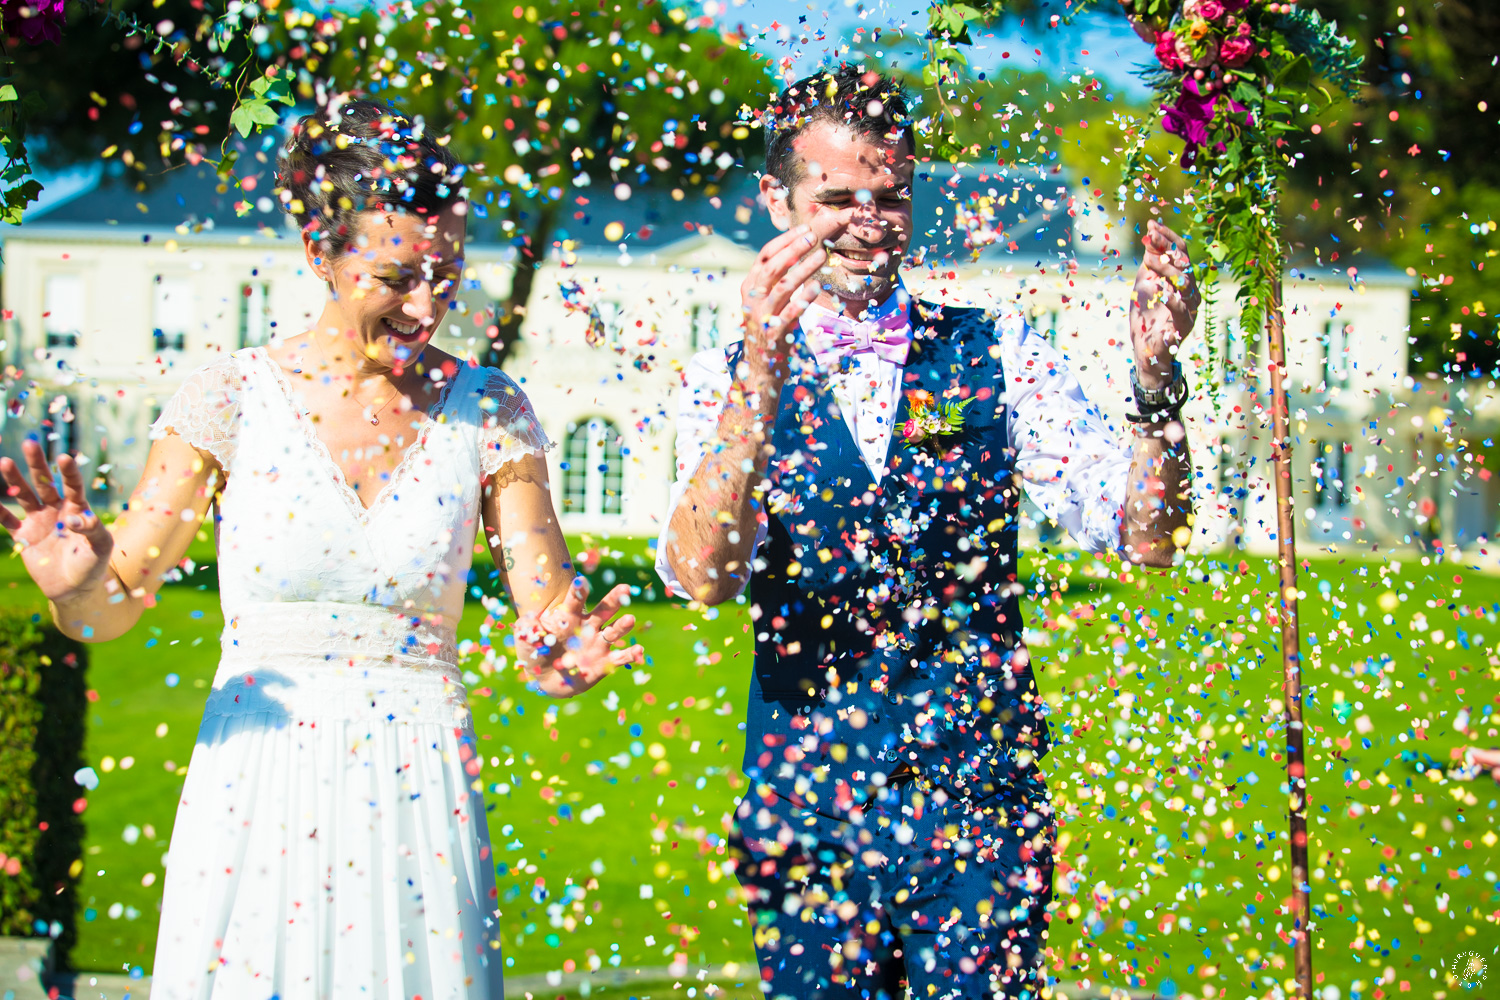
{"x":781,"y":284}
{"x":711,"y":537}
{"x":1164,"y":306}
{"x":1158,"y":500}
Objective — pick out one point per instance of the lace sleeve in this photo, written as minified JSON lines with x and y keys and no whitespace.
{"x":205,"y":411}
{"x":509,"y":428}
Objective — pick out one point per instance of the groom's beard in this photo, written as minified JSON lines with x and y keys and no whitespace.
{"x":875,"y":284}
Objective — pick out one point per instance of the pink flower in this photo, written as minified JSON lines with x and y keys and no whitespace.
{"x":1144,"y":29}
{"x":911,"y":432}
{"x":1195,"y":47}
{"x":1166,"y":50}
{"x":1236,"y":51}
{"x":1208,"y":10}
{"x":35,"y":21}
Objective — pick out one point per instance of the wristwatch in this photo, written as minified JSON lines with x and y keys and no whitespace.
{"x":1155,"y":405}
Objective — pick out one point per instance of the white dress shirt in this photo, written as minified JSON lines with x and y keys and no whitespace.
{"x":1073,"y":464}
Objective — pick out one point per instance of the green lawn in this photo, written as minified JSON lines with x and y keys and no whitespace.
{"x":608,"y":812}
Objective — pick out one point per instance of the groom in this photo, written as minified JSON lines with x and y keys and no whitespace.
{"x":897,"y":830}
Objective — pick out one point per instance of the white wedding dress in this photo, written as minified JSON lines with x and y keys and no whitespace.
{"x":331,"y":837}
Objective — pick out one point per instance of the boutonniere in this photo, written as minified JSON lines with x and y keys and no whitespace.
{"x":928,"y":421}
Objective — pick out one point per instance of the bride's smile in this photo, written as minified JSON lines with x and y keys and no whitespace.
{"x":392,"y":281}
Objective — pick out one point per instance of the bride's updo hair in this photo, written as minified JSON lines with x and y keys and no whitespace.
{"x":355,"y":156}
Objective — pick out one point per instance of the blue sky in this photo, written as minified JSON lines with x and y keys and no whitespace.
{"x":1113,"y":50}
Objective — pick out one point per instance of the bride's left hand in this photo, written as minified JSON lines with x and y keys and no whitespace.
{"x":577,"y":647}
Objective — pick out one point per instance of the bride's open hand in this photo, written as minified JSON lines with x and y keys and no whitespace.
{"x":65,"y":547}
{"x":575,"y":648}
{"x":1489,"y":760}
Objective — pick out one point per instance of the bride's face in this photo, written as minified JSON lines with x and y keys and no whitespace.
{"x":392,"y":285}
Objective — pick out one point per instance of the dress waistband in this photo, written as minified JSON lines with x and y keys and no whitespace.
{"x":348,"y":634}
{"x":300,"y":661}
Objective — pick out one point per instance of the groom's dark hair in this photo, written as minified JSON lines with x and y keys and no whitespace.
{"x":871,"y":104}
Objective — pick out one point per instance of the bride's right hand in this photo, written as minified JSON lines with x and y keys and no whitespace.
{"x":63,"y":544}
{"x":581,"y":642}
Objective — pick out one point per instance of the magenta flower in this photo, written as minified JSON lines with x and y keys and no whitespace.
{"x":1194,"y":111}
{"x":1240,"y":109}
{"x":34,"y":21}
{"x":1190,"y":115}
{"x":1189,"y":118}
{"x":1166,"y":51}
{"x":1235,"y":6}
{"x":1236,"y":50}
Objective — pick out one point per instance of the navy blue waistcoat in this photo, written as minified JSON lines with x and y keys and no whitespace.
{"x":888,"y":615}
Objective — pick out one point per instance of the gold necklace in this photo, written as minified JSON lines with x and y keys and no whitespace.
{"x":373,"y":418}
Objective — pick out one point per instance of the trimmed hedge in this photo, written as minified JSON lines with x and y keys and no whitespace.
{"x":43,"y":713}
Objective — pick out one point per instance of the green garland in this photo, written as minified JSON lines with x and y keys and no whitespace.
{"x":1232,"y":87}
{"x":1231,"y":78}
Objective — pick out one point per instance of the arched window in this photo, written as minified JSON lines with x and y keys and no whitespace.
{"x":593,"y":469}
{"x":705,"y":323}
{"x":62,"y":318}
{"x":255,"y":313}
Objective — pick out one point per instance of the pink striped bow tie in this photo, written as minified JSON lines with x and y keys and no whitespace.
{"x":834,"y":336}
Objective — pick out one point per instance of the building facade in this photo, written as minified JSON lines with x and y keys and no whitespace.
{"x":107,"y":309}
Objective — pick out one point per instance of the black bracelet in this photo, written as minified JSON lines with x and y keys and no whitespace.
{"x":1156,"y":416}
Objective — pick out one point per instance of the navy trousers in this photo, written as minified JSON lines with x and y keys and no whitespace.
{"x":918,"y":888}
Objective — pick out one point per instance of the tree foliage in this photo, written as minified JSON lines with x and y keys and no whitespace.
{"x":1409,"y":173}
{"x":561,"y":106}
{"x":151,"y":83}
{"x":1404,"y":173}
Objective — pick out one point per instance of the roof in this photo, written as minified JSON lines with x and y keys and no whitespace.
{"x":1029,"y":207}
{"x":190,"y":194}
{"x":1028,"y":217}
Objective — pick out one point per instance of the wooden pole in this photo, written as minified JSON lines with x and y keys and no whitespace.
{"x":1291,"y":658}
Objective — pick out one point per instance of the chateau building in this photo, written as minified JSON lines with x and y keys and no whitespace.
{"x":112,"y":297}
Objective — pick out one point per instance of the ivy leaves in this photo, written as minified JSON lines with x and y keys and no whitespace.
{"x":1297,"y":56}
{"x":17,"y":197}
{"x":948,"y":25}
{"x":20,"y":188}
{"x":951,"y":22}
{"x":253,"y":113}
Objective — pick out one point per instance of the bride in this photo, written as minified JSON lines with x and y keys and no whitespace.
{"x":331,"y":837}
